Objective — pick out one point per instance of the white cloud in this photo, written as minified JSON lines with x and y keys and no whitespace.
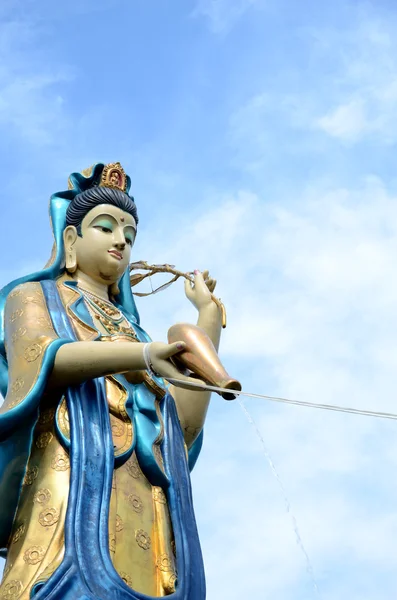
{"x":348,"y":91}
{"x":311,"y":297}
{"x":31,"y":105}
{"x":309,"y":284}
{"x":348,"y":121}
{"x":363,"y":90}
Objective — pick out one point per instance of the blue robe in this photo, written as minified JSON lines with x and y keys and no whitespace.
{"x":86,"y":571}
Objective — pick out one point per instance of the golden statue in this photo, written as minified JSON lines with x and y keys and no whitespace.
{"x":95,"y":446}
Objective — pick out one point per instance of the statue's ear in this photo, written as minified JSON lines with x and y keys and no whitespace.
{"x":69,"y":239}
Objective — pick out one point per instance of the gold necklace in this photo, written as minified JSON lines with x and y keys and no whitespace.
{"x":108,"y":315}
{"x":105,"y":307}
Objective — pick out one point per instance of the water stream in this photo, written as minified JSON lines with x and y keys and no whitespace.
{"x":309,"y":567}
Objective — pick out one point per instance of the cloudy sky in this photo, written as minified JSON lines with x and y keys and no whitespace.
{"x":260,"y":138}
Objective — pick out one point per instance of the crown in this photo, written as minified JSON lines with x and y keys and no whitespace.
{"x":113,"y":176}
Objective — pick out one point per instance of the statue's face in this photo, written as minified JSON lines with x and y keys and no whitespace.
{"x":104,"y":250}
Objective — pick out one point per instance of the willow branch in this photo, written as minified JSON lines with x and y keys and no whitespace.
{"x":142,"y":265}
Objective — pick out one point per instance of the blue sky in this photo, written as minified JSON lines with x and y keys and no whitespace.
{"x":260,"y":139}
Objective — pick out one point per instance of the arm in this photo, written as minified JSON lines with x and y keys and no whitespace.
{"x":192,"y":406}
{"x":79,"y":361}
{"x":34,"y":349}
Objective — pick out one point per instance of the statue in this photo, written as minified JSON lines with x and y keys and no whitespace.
{"x":95,"y":446}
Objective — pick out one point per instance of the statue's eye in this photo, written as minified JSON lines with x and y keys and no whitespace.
{"x":104,"y":226}
{"x":128,"y":240}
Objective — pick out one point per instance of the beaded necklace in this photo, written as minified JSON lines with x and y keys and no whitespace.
{"x":108,"y":315}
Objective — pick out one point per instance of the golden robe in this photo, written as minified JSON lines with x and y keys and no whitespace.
{"x":140,"y":531}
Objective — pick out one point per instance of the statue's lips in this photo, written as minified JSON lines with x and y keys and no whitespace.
{"x":116,"y":254}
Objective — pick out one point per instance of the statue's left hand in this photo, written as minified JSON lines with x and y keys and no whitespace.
{"x":199,"y":292}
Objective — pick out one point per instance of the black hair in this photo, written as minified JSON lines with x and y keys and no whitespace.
{"x":85,"y":201}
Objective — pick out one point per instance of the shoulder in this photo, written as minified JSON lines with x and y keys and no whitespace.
{"x":26,"y":310}
{"x":29,"y":287}
{"x":30,"y":291}
{"x":26,"y":298}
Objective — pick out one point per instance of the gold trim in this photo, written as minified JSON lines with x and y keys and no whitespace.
{"x":63,"y":419}
{"x":159,"y":495}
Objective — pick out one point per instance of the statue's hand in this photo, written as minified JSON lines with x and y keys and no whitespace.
{"x":160,"y":355}
{"x":199,"y":292}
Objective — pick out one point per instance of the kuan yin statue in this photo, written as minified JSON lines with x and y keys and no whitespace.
{"x":96,"y":447}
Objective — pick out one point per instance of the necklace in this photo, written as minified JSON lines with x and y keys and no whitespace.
{"x":104,"y":307}
{"x":108,"y":315}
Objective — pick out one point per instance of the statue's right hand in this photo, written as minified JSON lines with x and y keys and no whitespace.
{"x":160,"y":354}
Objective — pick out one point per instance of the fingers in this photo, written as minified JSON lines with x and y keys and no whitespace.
{"x":173,"y":373}
{"x":199,"y":290}
{"x":211,"y":283}
{"x":169,"y":371}
{"x":159,"y":355}
{"x":169,"y":350}
{"x":199,"y":282}
{"x":188,"y":289}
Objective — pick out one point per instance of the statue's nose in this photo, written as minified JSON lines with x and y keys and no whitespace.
{"x":119,"y":240}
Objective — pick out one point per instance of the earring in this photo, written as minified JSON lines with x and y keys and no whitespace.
{"x":71,"y":264}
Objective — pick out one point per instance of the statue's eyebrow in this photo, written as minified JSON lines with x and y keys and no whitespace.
{"x":130,"y":226}
{"x":100,"y":216}
{"x":114,"y":220}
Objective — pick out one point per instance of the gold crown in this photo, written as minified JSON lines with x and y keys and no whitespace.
{"x":113,"y":176}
